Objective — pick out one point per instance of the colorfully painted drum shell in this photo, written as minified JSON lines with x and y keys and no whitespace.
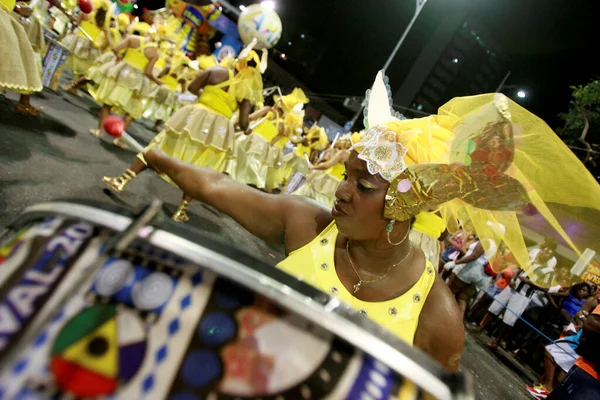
{"x":150,"y":324}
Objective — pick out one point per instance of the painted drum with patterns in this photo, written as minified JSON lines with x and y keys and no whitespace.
{"x":175,"y":314}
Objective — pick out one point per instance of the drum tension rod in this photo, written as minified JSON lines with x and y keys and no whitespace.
{"x":121,"y":241}
{"x":118,"y":244}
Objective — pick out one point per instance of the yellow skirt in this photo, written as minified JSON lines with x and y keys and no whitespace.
{"x":275,"y":168}
{"x":198,"y":136}
{"x":294,"y":163}
{"x":83,"y":53}
{"x":251,"y":155}
{"x":19,"y":69}
{"x":101,"y":66}
{"x":320,"y":186}
{"x":162,"y":103}
{"x":125,"y":88}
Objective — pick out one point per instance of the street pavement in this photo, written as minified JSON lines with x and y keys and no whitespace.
{"x":55,"y":157}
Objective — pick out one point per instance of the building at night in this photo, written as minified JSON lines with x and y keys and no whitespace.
{"x":458,"y":60}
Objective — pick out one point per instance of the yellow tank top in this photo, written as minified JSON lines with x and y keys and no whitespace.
{"x":215,"y":98}
{"x":7,"y":5}
{"x":170,"y":81}
{"x":90,"y":28}
{"x":314,"y":264}
{"x":136,"y":57}
{"x":429,"y":224}
{"x":268,"y":127}
{"x":301,"y":149}
{"x":337,"y":171}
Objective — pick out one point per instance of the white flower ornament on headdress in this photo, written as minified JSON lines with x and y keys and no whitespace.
{"x":383,"y":155}
{"x":379,"y":148}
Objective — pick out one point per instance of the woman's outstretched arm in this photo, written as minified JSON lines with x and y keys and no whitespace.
{"x":264,"y":215}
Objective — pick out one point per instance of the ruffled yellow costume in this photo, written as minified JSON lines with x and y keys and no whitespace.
{"x":165,"y":98}
{"x":203,"y":134}
{"x":125,"y":87}
{"x":19,"y":69}
{"x":322,"y":185}
{"x":296,"y":160}
{"x":83,"y":51}
{"x":104,"y":62}
{"x":259,"y":162}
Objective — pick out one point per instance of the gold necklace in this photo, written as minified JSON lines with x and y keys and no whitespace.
{"x":358,"y":284}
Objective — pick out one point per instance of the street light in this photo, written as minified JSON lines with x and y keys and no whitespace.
{"x":521,"y":94}
{"x":242,"y":7}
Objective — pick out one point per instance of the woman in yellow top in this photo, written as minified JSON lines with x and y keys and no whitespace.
{"x":480,"y":158}
{"x":327,"y":174}
{"x":165,"y":98}
{"x":202,"y":134}
{"x":83,"y":51}
{"x":258,"y":153}
{"x":127,"y":84}
{"x":18,"y":70}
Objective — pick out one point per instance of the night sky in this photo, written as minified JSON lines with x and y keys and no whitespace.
{"x":550,"y":44}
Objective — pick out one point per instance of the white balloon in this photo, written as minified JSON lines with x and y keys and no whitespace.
{"x":261,"y":23}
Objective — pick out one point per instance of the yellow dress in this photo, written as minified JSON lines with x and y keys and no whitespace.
{"x":19,"y":71}
{"x":201,"y":134}
{"x":296,"y":161}
{"x":164,"y":100}
{"x":83,"y":51}
{"x":125,"y":86}
{"x":102,"y":63}
{"x":425,"y":232}
{"x":252,"y":153}
{"x":322,"y":185}
{"x":314,"y":264}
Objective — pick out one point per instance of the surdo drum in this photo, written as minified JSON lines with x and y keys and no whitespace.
{"x":99,"y":301}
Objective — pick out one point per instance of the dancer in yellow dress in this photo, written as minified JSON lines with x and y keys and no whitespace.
{"x":19,"y":70}
{"x":109,"y":37}
{"x":83,"y":51}
{"x":202,"y":134}
{"x":327,"y":174}
{"x":127,"y":83}
{"x":308,"y":148}
{"x":165,"y":98}
{"x":259,"y":152}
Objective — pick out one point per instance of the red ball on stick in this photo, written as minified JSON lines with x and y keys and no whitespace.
{"x":85,"y":6}
{"x":114,"y":126}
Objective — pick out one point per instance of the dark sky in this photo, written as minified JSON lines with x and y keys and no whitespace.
{"x":550,"y":44}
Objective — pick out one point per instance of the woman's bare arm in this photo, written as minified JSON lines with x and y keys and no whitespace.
{"x":337,"y":158}
{"x":244,"y":120}
{"x":264,"y":215}
{"x":260,"y":113}
{"x":440,"y":332}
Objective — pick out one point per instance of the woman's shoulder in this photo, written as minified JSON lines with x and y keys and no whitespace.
{"x":306,"y":220}
{"x":440,"y":332}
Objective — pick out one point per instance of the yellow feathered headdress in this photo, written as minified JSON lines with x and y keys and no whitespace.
{"x":317,"y":138}
{"x":248,"y":54}
{"x":290,"y":101}
{"x":205,"y":62}
{"x":483,"y":160}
